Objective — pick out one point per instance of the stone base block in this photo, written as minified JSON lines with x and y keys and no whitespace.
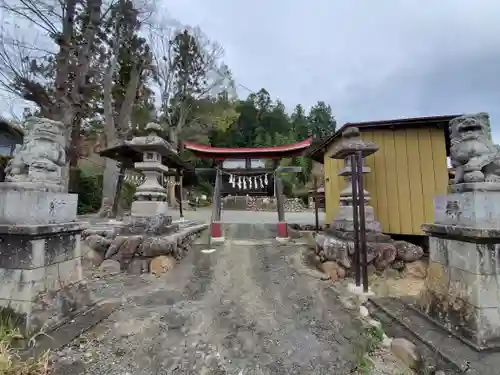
{"x":49,"y":309}
{"x":344,"y":220}
{"x":462,"y":289}
{"x":39,"y":262}
{"x":473,"y":209}
{"x":27,"y":207}
{"x":149,"y":208}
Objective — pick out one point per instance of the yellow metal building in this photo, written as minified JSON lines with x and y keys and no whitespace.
{"x":407,"y":172}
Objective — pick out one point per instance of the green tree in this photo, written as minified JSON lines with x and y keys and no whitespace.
{"x":299,"y":123}
{"x":125,"y":98}
{"x":321,"y":121}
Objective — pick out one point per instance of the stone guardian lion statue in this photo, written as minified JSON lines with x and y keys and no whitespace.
{"x":42,"y":155}
{"x":472,"y":152}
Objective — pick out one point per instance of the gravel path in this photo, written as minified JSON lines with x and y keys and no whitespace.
{"x":243,"y":309}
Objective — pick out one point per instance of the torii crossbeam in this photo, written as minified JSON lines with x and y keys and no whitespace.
{"x":247,"y":155}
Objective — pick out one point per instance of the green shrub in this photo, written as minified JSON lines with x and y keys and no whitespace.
{"x":89,"y":193}
{"x":127,"y":195}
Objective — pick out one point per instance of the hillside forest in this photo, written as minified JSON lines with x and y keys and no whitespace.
{"x":106,"y":68}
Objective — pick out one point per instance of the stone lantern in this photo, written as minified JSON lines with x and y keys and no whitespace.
{"x":150,"y":206}
{"x":352,"y":142}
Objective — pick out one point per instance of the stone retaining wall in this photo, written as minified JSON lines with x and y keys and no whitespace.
{"x":261,"y":204}
{"x":135,"y":252}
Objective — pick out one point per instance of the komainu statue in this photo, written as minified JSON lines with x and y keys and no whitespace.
{"x":472,"y":152}
{"x":42,"y":155}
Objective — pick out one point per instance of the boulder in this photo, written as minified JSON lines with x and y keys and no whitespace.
{"x":407,"y":251}
{"x":135,"y":265}
{"x":155,"y":246}
{"x":110,"y":266}
{"x":162,"y":264}
{"x":337,"y":250}
{"x":115,"y":246}
{"x":98,"y":243}
{"x":385,"y":254}
{"x":333,"y":270}
{"x":398,"y":265}
{"x":130,"y":246}
{"x":91,"y":256}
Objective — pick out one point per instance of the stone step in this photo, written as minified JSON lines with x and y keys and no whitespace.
{"x":438,"y":347}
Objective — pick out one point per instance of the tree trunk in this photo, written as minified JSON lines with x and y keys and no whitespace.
{"x":109,"y":184}
{"x":74,"y":155}
{"x":171,"y":180}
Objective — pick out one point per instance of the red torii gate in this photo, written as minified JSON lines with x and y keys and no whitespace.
{"x":220,"y":154}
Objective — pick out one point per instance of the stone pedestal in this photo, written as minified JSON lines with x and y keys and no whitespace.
{"x":33,"y":207}
{"x":40,"y":257}
{"x":462,"y":288}
{"x":40,"y":254}
{"x":149,"y":208}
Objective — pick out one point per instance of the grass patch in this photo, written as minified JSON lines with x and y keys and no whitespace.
{"x":369,"y":343}
{"x":10,"y":361}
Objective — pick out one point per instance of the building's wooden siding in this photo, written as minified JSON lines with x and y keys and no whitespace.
{"x":407,"y":173}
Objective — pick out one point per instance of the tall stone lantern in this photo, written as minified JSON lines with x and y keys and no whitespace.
{"x":343,"y":222}
{"x":150,"y":208}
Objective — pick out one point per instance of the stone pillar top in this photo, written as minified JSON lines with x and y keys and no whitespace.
{"x":352,"y":142}
{"x":153,"y":128}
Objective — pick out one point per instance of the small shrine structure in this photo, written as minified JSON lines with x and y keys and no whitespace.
{"x":244,"y":170}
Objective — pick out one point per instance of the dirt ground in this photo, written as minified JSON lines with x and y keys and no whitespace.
{"x":242,"y":309}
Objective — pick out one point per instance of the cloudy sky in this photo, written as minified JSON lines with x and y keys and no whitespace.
{"x":368,"y":59}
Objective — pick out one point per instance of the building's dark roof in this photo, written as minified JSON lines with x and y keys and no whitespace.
{"x":316,"y":152}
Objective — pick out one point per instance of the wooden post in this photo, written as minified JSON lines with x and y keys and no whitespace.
{"x":216,"y":226}
{"x":278,"y":185}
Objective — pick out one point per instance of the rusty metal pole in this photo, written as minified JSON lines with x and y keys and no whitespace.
{"x":355,"y":219}
{"x":181,"y":192}
{"x":316,"y":213}
{"x":362,"y":220}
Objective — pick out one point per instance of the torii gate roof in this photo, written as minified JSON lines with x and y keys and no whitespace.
{"x":274,"y":152}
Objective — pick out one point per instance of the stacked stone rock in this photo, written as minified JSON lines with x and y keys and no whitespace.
{"x":261,"y":204}
{"x":306,"y":227}
{"x":136,"y":252}
{"x":294,"y":205}
{"x":380,"y":255}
